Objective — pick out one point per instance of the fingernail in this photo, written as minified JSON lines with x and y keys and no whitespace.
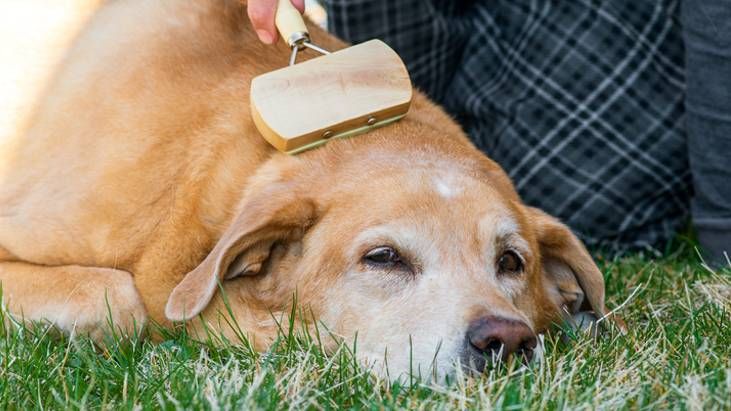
{"x":265,"y":36}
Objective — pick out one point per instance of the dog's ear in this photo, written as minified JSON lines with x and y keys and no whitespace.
{"x":267,"y":217}
{"x":571,"y":278}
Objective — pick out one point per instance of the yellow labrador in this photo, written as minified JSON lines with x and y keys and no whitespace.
{"x":142,"y":183}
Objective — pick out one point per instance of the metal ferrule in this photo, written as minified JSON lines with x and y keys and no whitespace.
{"x":298,"y":39}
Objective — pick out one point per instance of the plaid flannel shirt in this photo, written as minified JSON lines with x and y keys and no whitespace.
{"x":580,"y":101}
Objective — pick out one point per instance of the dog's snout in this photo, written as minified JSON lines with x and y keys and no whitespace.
{"x":493,"y":337}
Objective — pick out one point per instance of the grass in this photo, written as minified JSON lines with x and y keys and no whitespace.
{"x":677,"y":354}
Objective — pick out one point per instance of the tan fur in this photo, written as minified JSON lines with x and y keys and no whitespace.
{"x":142,"y":160}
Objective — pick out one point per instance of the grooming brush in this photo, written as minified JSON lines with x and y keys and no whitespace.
{"x":335,"y":95}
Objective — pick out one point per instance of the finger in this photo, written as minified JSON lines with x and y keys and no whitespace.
{"x":299,"y":4}
{"x":261,"y":13}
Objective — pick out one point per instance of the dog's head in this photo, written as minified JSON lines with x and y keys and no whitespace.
{"x":426,"y":254}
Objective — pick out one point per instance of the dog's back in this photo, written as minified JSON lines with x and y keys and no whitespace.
{"x":34,"y":35}
{"x":145,"y":112}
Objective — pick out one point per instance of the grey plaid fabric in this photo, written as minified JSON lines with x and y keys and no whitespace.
{"x":580,"y":101}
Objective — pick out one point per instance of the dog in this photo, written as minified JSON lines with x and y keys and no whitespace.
{"x":141,"y":191}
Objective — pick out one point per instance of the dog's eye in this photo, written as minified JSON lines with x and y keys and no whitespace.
{"x":510,"y":263}
{"x":383,"y":257}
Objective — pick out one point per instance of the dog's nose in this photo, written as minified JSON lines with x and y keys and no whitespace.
{"x":493,"y":337}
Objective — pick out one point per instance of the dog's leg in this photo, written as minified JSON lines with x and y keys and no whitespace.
{"x":77,"y":300}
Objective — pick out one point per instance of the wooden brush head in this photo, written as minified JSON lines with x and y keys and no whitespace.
{"x":341,"y":94}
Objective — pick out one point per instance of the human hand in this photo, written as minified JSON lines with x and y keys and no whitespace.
{"x":262,"y":12}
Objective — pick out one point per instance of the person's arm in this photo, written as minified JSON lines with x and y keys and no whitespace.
{"x":707,"y":33}
{"x":262,"y":12}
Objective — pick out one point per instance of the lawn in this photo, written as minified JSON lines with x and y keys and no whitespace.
{"x":677,"y":354}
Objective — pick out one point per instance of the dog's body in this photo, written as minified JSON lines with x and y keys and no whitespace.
{"x":142,"y":171}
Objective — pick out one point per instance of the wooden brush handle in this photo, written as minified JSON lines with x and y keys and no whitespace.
{"x":290,"y":23}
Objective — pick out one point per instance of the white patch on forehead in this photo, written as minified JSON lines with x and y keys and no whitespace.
{"x":447,"y":186}
{"x":443,"y":189}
